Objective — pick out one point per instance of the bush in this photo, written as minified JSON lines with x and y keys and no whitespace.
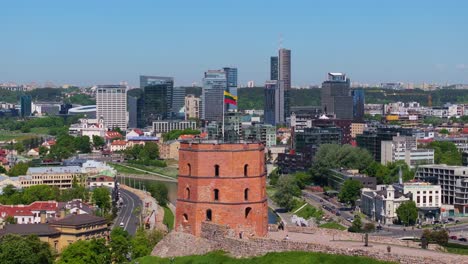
{"x":160,"y":192}
{"x":369,"y":227}
{"x":440,"y":237}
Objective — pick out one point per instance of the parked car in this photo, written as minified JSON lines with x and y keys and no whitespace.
{"x":462,"y":239}
{"x":436,"y":222}
{"x":379,"y":227}
{"x":450,"y":219}
{"x":321,"y":200}
{"x":454,"y":237}
{"x":338,"y":213}
{"x":457,"y":221}
{"x":349,"y":219}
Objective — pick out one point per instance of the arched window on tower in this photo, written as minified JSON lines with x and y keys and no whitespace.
{"x":216,"y":167}
{"x":187,"y":193}
{"x":208,"y":215}
{"x":246,"y":194}
{"x":216,"y":194}
{"x":185,"y":218}
{"x":246,"y":170}
{"x":189,"y":169}
{"x":247,"y":212}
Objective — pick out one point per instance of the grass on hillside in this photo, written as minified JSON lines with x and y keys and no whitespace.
{"x":123,"y":169}
{"x":457,"y":249}
{"x":168,"y":218}
{"x":307,"y":211}
{"x":270,"y":258}
{"x":333,"y":225}
{"x":17,"y":135}
{"x":167,"y":171}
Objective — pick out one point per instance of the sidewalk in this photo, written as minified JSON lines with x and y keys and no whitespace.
{"x":151,"y":212}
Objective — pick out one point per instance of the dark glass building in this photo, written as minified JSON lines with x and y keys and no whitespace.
{"x":336,"y":96}
{"x":358,"y":104}
{"x":231,"y":79}
{"x":25,"y":102}
{"x":274,"y":68}
{"x":308,"y":141}
{"x":269,"y":105}
{"x":157,"y":98}
{"x":178,"y":103}
{"x":214,"y":85}
{"x":372,"y":141}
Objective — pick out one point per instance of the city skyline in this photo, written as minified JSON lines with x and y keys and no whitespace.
{"x":90,"y":43}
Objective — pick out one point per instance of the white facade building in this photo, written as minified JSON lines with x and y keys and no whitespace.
{"x":167,"y":126}
{"x":405,"y":148}
{"x":111,"y":104}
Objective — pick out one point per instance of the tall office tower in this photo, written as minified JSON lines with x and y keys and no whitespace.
{"x":274,"y":68}
{"x":231,"y":77}
{"x":269,"y":116}
{"x":157,"y":97}
{"x":336,"y":96}
{"x":192,"y":107}
{"x":135,"y":112}
{"x":284,"y":77}
{"x":178,"y":102}
{"x":111,"y":105}
{"x":26,"y":105}
{"x":214,"y":85}
{"x":358,"y":104}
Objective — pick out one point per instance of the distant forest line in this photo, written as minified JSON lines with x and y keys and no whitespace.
{"x":253,"y":98}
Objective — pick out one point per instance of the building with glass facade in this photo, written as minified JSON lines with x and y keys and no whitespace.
{"x":157,"y":98}
{"x":178,"y":103}
{"x":269,"y":111}
{"x":214,"y":85}
{"x":231,"y":78}
{"x":274,"y":68}
{"x":26,"y":103}
{"x":336,"y":96}
{"x":358,"y":104}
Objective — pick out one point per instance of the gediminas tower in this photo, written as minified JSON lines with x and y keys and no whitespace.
{"x":222,"y":183}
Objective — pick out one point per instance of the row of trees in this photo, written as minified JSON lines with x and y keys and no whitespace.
{"x":144,"y":155}
{"x":175,"y":134}
{"x":121,"y":248}
{"x":11,"y":195}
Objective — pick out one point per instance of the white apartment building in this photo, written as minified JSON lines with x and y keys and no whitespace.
{"x":111,"y":105}
{"x":453,"y":181}
{"x":405,"y":148}
{"x":428,"y":198}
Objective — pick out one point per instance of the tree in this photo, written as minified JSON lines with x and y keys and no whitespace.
{"x":444,"y":131}
{"x":356,"y":226}
{"x":445,"y":153}
{"x":82,"y":144}
{"x":440,"y":236}
{"x":152,"y":150}
{"x":350,"y":191}
{"x":286,"y":190}
{"x":2,"y":169}
{"x":24,"y":249}
{"x":144,"y":241}
{"x":98,"y":142}
{"x":369,"y":227}
{"x":40,"y":193}
{"x":59,"y":153}
{"x":120,"y":245}
{"x":302,"y":179}
{"x":407,"y":212}
{"x":160,"y":192}
{"x":86,"y":252}
{"x":19,"y":147}
{"x":19,"y":169}
{"x":43,"y":151}
{"x":10,"y":220}
{"x":101,"y":197}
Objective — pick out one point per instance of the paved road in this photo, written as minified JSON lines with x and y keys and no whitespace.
{"x":126,"y":215}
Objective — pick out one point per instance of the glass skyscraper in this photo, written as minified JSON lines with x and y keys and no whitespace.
{"x":214,"y":85}
{"x":274,"y":68}
{"x":25,"y":101}
{"x":336,"y":96}
{"x":269,"y":107}
{"x":231,"y":78}
{"x":358,"y":104}
{"x":157,"y":98}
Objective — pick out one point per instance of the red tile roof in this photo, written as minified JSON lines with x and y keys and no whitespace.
{"x":113,"y":135}
{"x":27,"y":210}
{"x":119,"y":143}
{"x":138,"y":131}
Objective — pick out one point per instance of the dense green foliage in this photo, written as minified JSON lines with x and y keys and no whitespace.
{"x":350,"y":191}
{"x":287,"y":189}
{"x":24,"y":249}
{"x":160,"y":192}
{"x":31,"y":194}
{"x":407,"y":213}
{"x":19,"y":168}
{"x":445,"y":153}
{"x":308,"y":211}
{"x":440,"y":237}
{"x":67,"y":145}
{"x":143,"y":155}
{"x":101,"y":197}
{"x":270,"y":258}
{"x":93,"y":251}
{"x":389,"y":173}
{"x":144,"y":241}
{"x":175,"y":134}
{"x":168,"y":218}
{"x":332,"y":156}
{"x":356,"y":226}
{"x":81,"y":99}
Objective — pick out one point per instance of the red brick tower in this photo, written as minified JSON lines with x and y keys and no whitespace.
{"x":224,"y":184}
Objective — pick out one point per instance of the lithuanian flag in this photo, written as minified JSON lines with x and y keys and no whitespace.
{"x":229,"y":98}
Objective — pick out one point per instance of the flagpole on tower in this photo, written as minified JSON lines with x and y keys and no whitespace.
{"x":222,"y":129}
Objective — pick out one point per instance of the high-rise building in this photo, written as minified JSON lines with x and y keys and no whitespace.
{"x":284,"y":67}
{"x":157,"y":98}
{"x":26,"y":104}
{"x":274,"y":68}
{"x":336,"y":96}
{"x":231,"y":77}
{"x":111,"y":105}
{"x":178,"y":102}
{"x":274,"y":108}
{"x":192,"y":107}
{"x":214,"y":85}
{"x":135,"y":110}
{"x":358,"y":104}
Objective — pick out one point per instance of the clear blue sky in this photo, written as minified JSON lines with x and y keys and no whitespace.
{"x":107,"y":41}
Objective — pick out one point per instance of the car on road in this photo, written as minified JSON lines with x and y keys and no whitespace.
{"x":462,"y":239}
{"x":349,"y":219}
{"x":453,"y":237}
{"x":457,"y":221}
{"x":436,"y":222}
{"x":321,"y":200}
{"x":450,"y":219}
{"x":338,"y":213}
{"x":379,"y":227}
{"x":121,"y":224}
